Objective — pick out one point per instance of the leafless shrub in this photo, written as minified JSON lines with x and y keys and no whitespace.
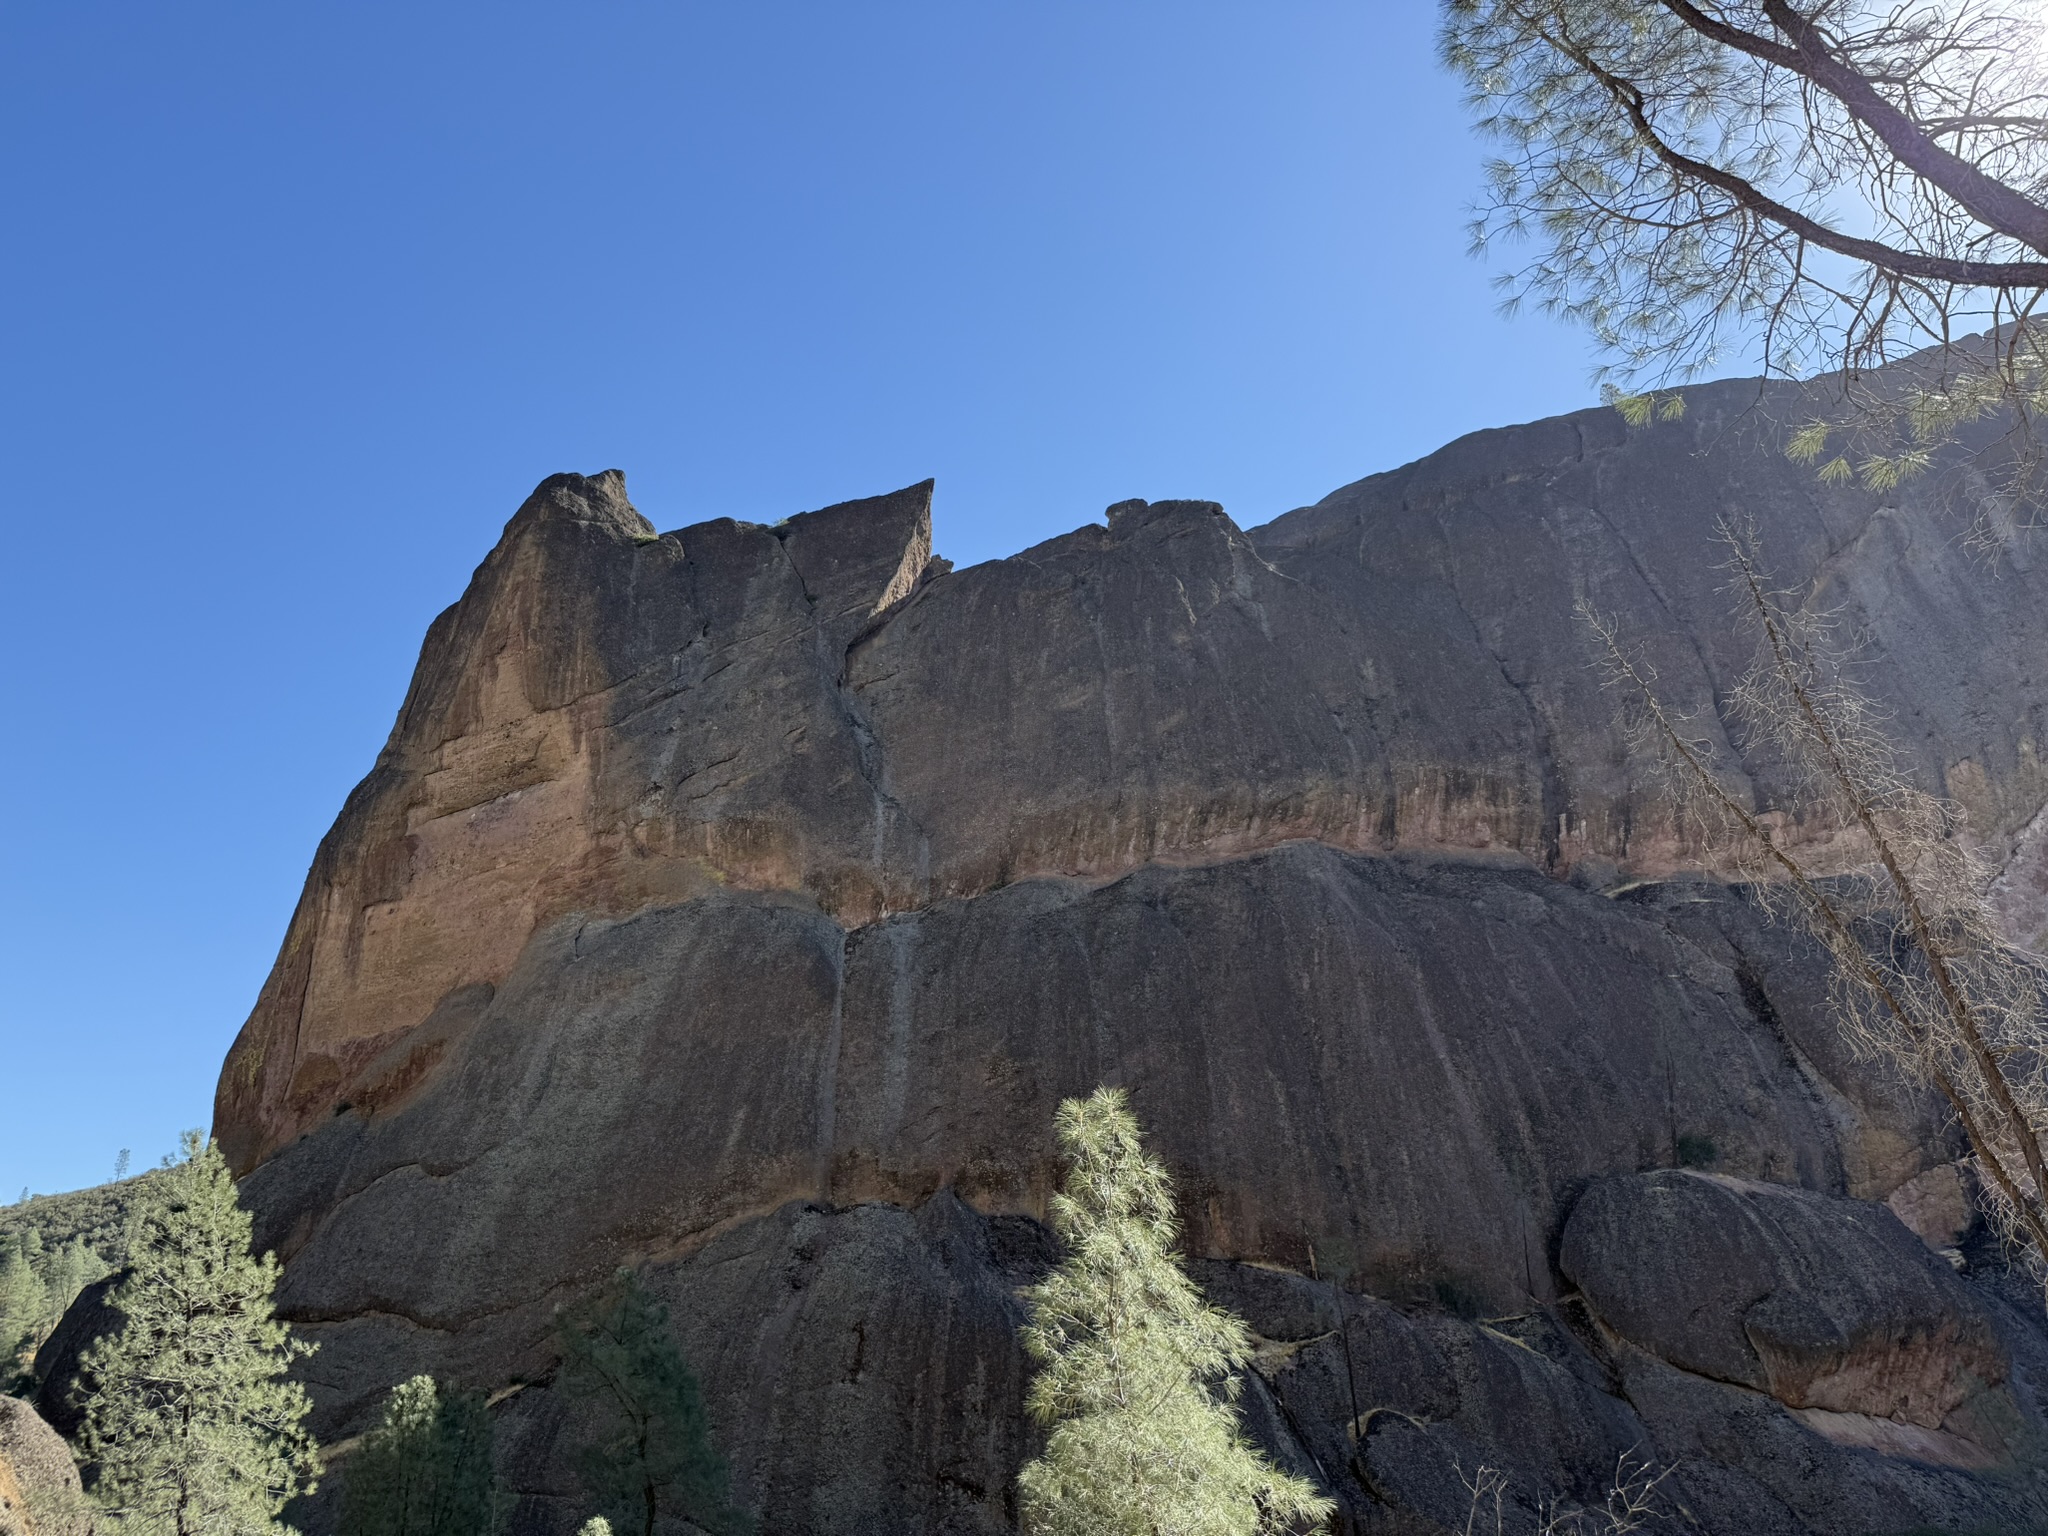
{"x":1923,"y":980}
{"x":1630,"y":1504}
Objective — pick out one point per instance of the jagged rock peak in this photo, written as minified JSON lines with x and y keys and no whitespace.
{"x":596,"y":501}
{"x":857,"y":559}
{"x":1127,"y":517}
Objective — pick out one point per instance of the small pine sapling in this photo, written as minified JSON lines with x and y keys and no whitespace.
{"x":654,"y":1455}
{"x":425,"y":1470}
{"x":1137,"y":1372}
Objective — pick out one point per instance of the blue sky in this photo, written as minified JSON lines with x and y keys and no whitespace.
{"x":297,"y":302}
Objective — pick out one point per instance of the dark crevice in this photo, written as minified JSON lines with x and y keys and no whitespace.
{"x":870,"y":758}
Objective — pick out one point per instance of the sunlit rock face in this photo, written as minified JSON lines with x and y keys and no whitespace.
{"x":740,"y":902}
{"x":39,"y":1491}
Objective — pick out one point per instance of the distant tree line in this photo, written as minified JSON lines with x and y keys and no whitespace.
{"x":103,"y":1215}
{"x":36,"y":1287}
{"x":51,"y":1248}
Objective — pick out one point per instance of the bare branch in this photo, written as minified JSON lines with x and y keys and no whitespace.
{"x":1829,"y":185}
{"x":1974,"y":274}
{"x":1997,"y":206}
{"x":1925,"y":981}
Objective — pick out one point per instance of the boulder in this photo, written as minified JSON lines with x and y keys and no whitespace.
{"x":39,"y":1490}
{"x":61,"y":1382}
{"x":1939,"y":1206}
{"x":1828,"y":1305}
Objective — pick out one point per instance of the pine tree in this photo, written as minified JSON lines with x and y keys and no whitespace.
{"x":656,"y":1455}
{"x":24,"y":1303}
{"x":192,"y":1426}
{"x":1137,"y":1376}
{"x":70,"y":1270}
{"x":425,"y":1470}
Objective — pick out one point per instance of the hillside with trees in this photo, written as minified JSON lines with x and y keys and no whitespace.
{"x":51,"y":1248}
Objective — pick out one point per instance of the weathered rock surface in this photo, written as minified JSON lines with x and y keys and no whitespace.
{"x":1827,"y":1305}
{"x":1939,"y":1206}
{"x":610,"y":719}
{"x":39,"y":1491}
{"x":740,"y":902}
{"x":62,"y":1383}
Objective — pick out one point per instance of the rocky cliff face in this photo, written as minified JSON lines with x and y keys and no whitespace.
{"x":739,"y":902}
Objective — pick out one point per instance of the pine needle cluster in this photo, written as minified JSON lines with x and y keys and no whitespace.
{"x":1825,"y":186}
{"x":1138,"y":1374}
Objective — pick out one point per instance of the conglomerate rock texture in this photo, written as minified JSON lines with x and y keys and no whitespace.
{"x":739,"y":903}
{"x":39,"y":1489}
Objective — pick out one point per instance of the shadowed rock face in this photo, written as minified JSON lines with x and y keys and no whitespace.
{"x":740,"y":902}
{"x":62,"y":1383}
{"x":1827,"y":1305}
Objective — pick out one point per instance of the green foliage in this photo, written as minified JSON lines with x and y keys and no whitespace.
{"x":1641,"y":410}
{"x":70,"y":1270}
{"x":1694,"y":180}
{"x":1808,"y":443}
{"x":1928,"y":419}
{"x":103,"y":1215}
{"x":1683,"y":172}
{"x":596,"y":1525}
{"x":192,"y":1426}
{"x":1887,"y":472}
{"x":1137,"y":1371}
{"x":654,"y":1455}
{"x":1696,"y":1151}
{"x":425,"y":1470}
{"x":35,"y":1289}
{"x":24,"y":1302}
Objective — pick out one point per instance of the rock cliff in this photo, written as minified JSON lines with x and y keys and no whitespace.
{"x":740,"y":901}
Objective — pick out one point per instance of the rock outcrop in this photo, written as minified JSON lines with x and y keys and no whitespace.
{"x":1830,"y":1306}
{"x":62,"y":1382}
{"x":39,"y":1490}
{"x":739,"y":902}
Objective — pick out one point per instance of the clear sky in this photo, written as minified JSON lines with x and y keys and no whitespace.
{"x":297,"y":302}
